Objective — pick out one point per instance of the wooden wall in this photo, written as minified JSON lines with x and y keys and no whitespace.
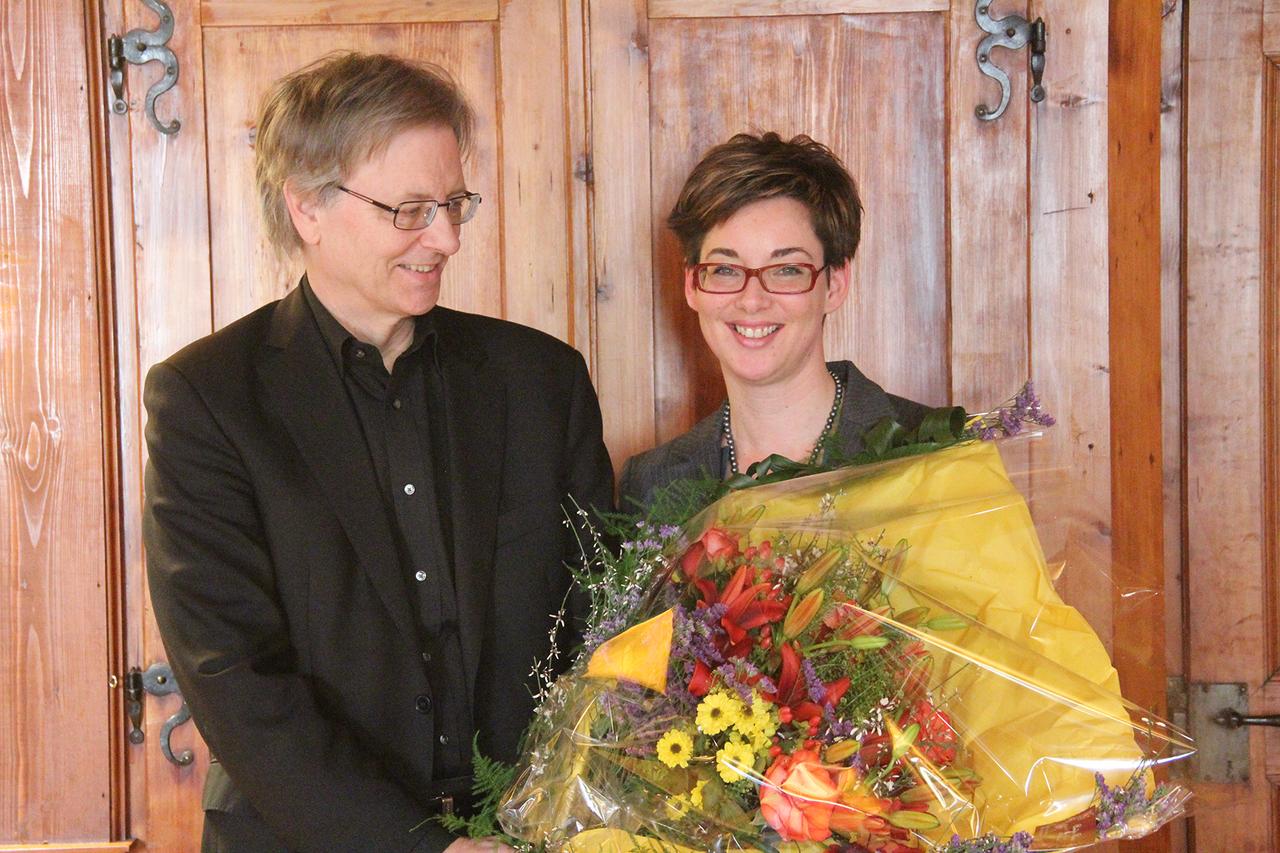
{"x":55,"y":748}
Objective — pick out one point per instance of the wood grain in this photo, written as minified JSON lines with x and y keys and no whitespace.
{"x":169,"y":251}
{"x":987,"y":227}
{"x":756,"y":8}
{"x":536,"y":211}
{"x":55,"y":764}
{"x":254,"y":13}
{"x":1069,"y":304}
{"x":1226,"y":629}
{"x":622,"y":268}
{"x":1270,"y":323}
{"x":1271,"y":28}
{"x":579,"y":233}
{"x":811,"y":75}
{"x":1137,"y":456}
{"x":1133,"y":167}
{"x":1172,"y":263}
{"x":87,"y":847}
{"x":246,"y":271}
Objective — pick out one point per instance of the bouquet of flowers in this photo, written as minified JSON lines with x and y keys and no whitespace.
{"x":868,"y":659}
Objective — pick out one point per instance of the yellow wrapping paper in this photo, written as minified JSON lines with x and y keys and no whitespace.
{"x":972,"y":544}
{"x":638,"y":654}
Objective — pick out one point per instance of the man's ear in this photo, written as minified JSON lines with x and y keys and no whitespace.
{"x":303,"y":210}
{"x":838,"y":282}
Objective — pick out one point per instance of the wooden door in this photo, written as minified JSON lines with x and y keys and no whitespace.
{"x":1231,"y":388}
{"x":984,"y":259}
{"x":191,"y":257}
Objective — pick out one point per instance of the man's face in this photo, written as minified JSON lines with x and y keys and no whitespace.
{"x":366,"y":271}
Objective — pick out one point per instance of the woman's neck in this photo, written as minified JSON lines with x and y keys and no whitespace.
{"x":786,"y":418}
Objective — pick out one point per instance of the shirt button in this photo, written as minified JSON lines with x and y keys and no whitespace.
{"x":359,"y":353}
{"x":426,"y":656}
{"x":422,"y":704}
{"x":444,"y":740}
{"x":409,"y":489}
{"x":395,"y":404}
{"x":420,"y":575}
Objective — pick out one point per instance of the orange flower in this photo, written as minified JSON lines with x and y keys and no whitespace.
{"x":859,"y":814}
{"x":798,"y":797}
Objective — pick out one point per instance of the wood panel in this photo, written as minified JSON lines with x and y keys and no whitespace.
{"x":249,"y":13}
{"x":825,"y":77}
{"x":1226,"y":631}
{"x":55,"y":765}
{"x":754,"y":8}
{"x":537,"y":206}
{"x":169,"y":248}
{"x":1069,"y":324}
{"x":246,"y":272}
{"x":1137,"y":456}
{"x":621,"y":267}
{"x":987,"y":222}
{"x":1271,"y":28}
{"x":88,"y":847}
{"x":1172,"y":259}
{"x":1271,"y":368}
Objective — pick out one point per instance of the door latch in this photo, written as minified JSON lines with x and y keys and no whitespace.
{"x":1013,"y":32}
{"x":158,"y":680}
{"x":138,"y":47}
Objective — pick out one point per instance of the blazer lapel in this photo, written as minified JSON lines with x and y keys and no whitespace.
{"x":304,"y":390}
{"x":865,"y":403}
{"x":476,"y":410}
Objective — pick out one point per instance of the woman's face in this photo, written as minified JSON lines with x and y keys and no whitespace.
{"x":763,"y":338}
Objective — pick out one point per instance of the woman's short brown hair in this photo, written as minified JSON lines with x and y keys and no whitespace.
{"x":323,"y":120}
{"x":750,"y":168}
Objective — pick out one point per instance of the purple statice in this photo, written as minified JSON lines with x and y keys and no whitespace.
{"x":1007,"y":420}
{"x":817,"y":690}
{"x":1117,"y":805}
{"x":740,"y":675}
{"x":1020,"y":842}
{"x":836,"y":729}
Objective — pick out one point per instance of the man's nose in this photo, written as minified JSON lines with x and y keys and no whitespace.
{"x":441,"y":235}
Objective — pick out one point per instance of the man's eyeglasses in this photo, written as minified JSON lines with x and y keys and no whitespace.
{"x":417,"y":214}
{"x":720,"y":277}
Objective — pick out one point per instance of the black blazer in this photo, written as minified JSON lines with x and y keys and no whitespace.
{"x":696,"y":453}
{"x":275,"y":579}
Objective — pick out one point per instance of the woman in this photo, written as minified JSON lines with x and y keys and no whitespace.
{"x":768,"y":229}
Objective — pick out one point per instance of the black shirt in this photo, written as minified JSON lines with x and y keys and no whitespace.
{"x":402,"y":415}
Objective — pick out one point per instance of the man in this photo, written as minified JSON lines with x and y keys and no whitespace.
{"x":354,"y":521}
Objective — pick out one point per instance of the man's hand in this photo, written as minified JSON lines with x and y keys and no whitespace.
{"x":478,"y":845}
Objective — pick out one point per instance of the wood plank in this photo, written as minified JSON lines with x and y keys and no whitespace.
{"x":1172,"y":262}
{"x":760,"y":8}
{"x":1271,"y":28}
{"x":808,"y":75}
{"x":1069,"y":304}
{"x":581,"y":293}
{"x":536,"y":210}
{"x":54,"y":785}
{"x":1270,"y":323}
{"x":1133,"y":168}
{"x":621,"y":230}
{"x":1226,"y":631}
{"x":246,"y":271}
{"x":254,"y":13}
{"x":1136,"y":355}
{"x":169,"y":248}
{"x":88,"y":847}
{"x":987,"y":228}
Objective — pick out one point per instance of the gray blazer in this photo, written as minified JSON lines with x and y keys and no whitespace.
{"x":697,"y":453}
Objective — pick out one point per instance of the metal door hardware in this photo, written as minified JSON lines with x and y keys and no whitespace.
{"x":1222,"y":751}
{"x":1013,"y":32}
{"x":1233,"y":719}
{"x":138,"y":47}
{"x":158,"y":680}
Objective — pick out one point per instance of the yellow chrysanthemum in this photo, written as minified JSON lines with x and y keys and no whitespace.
{"x":717,"y":712}
{"x":759,"y":724}
{"x":675,"y":748}
{"x":678,"y":806}
{"x":734,"y":760}
{"x":695,"y":796}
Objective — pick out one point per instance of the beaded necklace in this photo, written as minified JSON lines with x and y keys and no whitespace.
{"x":727,"y":431}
